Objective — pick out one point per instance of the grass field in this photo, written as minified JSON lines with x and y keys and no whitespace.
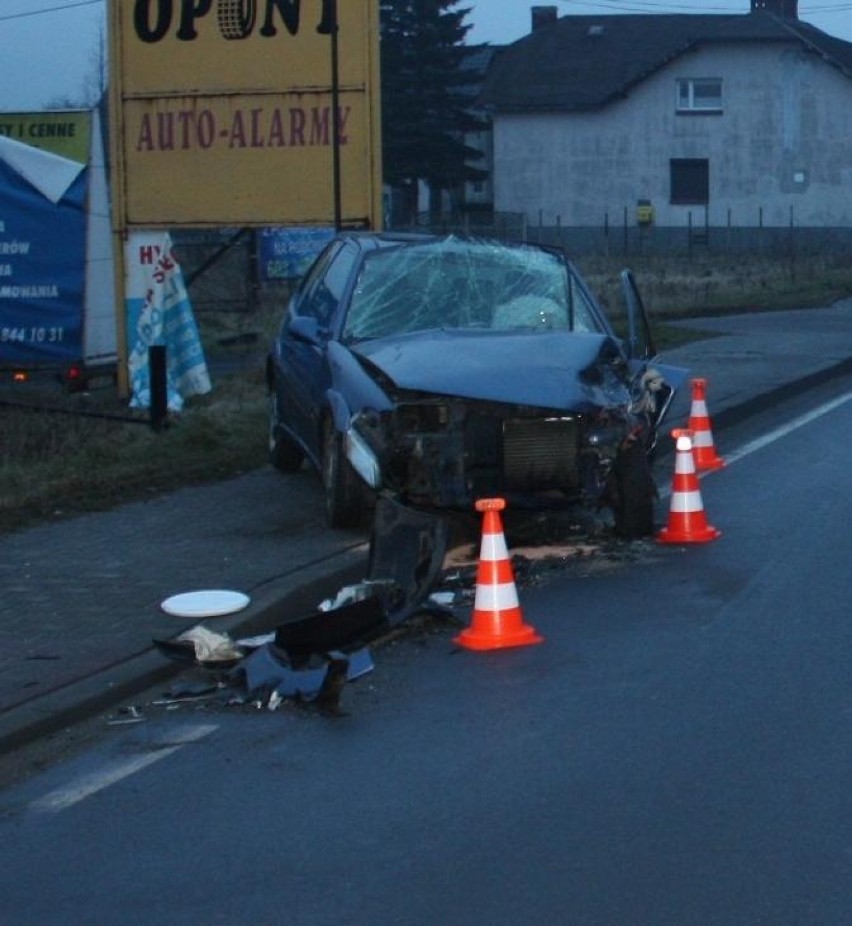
{"x":59,"y":456}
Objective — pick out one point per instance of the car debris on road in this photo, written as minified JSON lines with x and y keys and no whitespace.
{"x":412,"y":571}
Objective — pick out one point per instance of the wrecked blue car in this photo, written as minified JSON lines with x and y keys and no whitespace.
{"x":438,"y":370}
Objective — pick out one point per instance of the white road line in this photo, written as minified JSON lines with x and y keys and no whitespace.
{"x":770,"y":438}
{"x":62,"y":798}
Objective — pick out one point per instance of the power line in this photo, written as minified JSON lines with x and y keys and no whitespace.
{"x":50,"y":9}
{"x":641,"y":5}
{"x":661,"y":5}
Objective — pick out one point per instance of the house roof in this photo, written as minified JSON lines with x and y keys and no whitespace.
{"x":475,"y":65}
{"x":584,"y":62}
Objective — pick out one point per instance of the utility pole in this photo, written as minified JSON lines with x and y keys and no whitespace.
{"x":335,"y":115}
{"x":330,"y":26}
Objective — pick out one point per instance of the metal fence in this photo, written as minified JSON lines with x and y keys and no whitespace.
{"x":219,"y":268}
{"x":779,"y":243}
{"x":502,"y":225}
{"x":622,"y":235}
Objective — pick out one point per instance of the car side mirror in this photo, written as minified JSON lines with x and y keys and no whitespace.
{"x":305,"y":328}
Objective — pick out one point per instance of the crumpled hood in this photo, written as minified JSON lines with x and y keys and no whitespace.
{"x":557,"y":369}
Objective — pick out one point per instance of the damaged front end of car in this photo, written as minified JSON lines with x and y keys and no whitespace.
{"x":441,"y":451}
{"x":448,"y":452}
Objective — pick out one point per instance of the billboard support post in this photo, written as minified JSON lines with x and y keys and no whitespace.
{"x":335,"y":114}
{"x":159,"y":390}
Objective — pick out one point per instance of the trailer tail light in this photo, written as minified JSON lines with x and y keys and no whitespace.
{"x":75,"y":378}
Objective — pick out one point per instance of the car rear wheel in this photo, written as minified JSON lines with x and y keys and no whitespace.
{"x":284,"y":455}
{"x":633,"y":492}
{"x":344,"y":495}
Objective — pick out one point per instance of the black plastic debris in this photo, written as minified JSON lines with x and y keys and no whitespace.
{"x":407,"y":550}
{"x":327,"y":699}
{"x":346,"y":626}
{"x":269,"y":670}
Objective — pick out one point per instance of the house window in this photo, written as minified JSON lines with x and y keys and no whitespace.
{"x":699,"y":95}
{"x":690,"y":181}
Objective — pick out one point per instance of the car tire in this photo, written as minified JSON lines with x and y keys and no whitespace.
{"x":344,"y":495}
{"x":284,"y":455}
{"x":634,"y":492}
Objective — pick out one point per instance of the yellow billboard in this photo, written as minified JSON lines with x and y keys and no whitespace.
{"x":67,"y":134}
{"x":223,"y":112}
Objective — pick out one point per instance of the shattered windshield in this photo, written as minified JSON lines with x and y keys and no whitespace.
{"x":461,"y":284}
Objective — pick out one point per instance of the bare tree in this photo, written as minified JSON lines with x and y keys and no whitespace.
{"x":93,"y":83}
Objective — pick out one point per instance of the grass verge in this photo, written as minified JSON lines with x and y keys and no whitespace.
{"x":59,"y":458}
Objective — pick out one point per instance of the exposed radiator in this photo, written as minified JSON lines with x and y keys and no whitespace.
{"x":540,"y":454}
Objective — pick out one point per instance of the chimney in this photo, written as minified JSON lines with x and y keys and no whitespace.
{"x":543,"y":16}
{"x":786,"y":9}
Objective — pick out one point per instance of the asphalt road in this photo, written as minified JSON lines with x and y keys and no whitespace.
{"x":675,"y":751}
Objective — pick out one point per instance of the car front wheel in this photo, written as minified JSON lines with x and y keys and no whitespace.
{"x":344,"y":495}
{"x":284,"y":455}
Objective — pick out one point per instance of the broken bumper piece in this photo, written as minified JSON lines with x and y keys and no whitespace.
{"x":268,"y":670}
{"x":345,"y":626}
{"x":407,"y":551}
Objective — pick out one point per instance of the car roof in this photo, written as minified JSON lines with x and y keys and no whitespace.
{"x":371,"y":240}
{"x":375,"y":240}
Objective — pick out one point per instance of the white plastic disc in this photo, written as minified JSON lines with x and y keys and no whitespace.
{"x":209,"y":603}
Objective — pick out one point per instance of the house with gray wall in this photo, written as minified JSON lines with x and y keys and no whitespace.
{"x":672,"y":120}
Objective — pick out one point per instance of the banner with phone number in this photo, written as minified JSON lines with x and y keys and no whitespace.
{"x":286,"y":253}
{"x":42,"y":265}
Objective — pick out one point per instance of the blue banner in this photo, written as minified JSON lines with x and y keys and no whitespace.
{"x":42,"y":271}
{"x":286,"y":253}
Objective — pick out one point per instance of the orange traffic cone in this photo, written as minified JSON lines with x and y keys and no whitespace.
{"x":703,"y":448}
{"x":497,"y":619}
{"x":687,"y":521}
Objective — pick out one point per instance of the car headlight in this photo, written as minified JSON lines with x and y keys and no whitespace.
{"x":362,"y":459}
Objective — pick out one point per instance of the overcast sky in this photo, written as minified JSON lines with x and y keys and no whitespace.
{"x":48,"y":48}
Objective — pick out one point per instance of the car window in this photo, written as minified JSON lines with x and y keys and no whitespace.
{"x":318,"y":268}
{"x":583,"y":311}
{"x":458,"y":284}
{"x":324,"y":291}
